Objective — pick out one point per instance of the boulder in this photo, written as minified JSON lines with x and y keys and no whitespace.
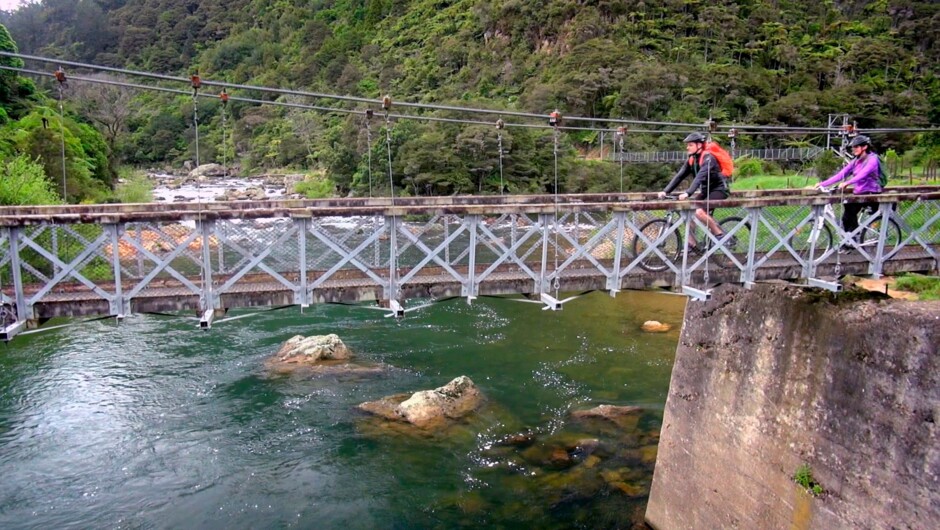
{"x":300,"y":349}
{"x":429,"y":408}
{"x":208,"y":170}
{"x":654,"y":326}
{"x":317,"y":355}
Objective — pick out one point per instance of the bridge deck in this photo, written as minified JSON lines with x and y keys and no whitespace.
{"x":258,"y":290}
{"x":120,"y":259}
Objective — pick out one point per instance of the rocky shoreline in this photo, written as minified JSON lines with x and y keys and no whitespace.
{"x":213,"y":182}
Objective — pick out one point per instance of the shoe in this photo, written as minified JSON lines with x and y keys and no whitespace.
{"x":846,"y":249}
{"x":694,"y":250}
{"x":731,"y":243}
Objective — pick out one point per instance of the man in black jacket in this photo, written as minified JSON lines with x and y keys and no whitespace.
{"x":708,"y":178}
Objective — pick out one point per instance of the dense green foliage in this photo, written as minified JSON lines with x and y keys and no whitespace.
{"x":23,"y":181}
{"x":782,"y":62}
{"x":39,"y":135}
{"x":31,"y":131}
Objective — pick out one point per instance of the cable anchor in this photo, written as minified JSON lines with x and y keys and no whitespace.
{"x":196,"y":83}
{"x":60,"y":77}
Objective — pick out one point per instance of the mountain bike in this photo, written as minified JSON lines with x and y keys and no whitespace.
{"x":672,"y":246}
{"x":818,"y":234}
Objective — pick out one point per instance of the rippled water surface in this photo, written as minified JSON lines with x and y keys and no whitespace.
{"x":155,"y":424}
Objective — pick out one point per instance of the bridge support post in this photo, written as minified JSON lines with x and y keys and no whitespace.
{"x":613,"y":280}
{"x":753,"y":215}
{"x":19,"y":324}
{"x":470,"y":287}
{"x":209,"y":302}
{"x":301,"y":295}
{"x":117,"y":301}
{"x":23,"y":311}
{"x":544,"y":219}
{"x":877,"y":265}
{"x":391,"y":291}
{"x":685,"y":276}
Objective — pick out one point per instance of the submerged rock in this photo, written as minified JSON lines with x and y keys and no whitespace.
{"x":654,"y":326}
{"x":625,"y":418}
{"x":429,"y":408}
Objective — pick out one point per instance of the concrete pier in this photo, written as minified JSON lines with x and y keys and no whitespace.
{"x":769,"y":380}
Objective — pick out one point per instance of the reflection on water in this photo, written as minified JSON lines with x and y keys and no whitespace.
{"x":154,"y":424}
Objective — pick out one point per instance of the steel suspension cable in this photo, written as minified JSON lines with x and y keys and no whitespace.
{"x":65,"y":195}
{"x":499,"y":140}
{"x":620,"y":133}
{"x":557,"y":282}
{"x":224,"y":98}
{"x":755,"y":130}
{"x":427,"y":105}
{"x":388,"y":150}
{"x":499,"y":145}
{"x":369,"y":148}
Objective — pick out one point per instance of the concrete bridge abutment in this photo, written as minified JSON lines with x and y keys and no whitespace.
{"x":775,"y":379}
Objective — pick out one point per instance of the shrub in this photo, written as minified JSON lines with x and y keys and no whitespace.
{"x":827,"y":164}
{"x":746,"y":166}
{"x":315,"y":187}
{"x":804,"y":478}
{"x":136,"y":187}
{"x":23,"y":181}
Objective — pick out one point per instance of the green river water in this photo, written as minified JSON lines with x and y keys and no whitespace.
{"x":154,"y":424}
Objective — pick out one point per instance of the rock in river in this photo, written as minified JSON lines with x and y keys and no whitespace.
{"x":429,"y":408}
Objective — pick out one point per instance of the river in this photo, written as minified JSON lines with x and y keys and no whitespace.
{"x":152,"y":423}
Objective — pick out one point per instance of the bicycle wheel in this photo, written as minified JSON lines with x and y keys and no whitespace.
{"x":670,"y":247}
{"x":872,"y":233}
{"x":809,"y":237}
{"x":737,"y":245}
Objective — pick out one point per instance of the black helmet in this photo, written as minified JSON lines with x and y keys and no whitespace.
{"x":695,"y":137}
{"x":860,"y":140}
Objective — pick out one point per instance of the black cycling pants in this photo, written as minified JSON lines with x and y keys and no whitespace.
{"x":850,"y":214}
{"x":714,"y":195}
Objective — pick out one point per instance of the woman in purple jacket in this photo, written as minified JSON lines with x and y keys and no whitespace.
{"x":862,"y":174}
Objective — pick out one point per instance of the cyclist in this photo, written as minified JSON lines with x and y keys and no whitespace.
{"x":863,"y":175}
{"x":708,"y":177}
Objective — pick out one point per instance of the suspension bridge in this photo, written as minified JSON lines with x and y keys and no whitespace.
{"x":399,"y":254}
{"x":208,"y":257}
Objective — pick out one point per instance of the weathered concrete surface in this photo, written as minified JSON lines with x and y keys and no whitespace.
{"x":767,"y":380}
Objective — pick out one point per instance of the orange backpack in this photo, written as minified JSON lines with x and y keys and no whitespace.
{"x":725,"y":162}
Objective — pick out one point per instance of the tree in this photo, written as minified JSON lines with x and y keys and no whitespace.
{"x":13,"y":89}
{"x":108,"y":106}
{"x":23,"y":181}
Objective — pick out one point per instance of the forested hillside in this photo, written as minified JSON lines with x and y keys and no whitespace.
{"x":782,"y":62}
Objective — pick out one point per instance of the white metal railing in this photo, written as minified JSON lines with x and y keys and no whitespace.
{"x":790,"y":153}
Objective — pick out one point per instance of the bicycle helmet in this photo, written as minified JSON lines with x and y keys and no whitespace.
{"x":860,"y":140}
{"x":695,"y":137}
